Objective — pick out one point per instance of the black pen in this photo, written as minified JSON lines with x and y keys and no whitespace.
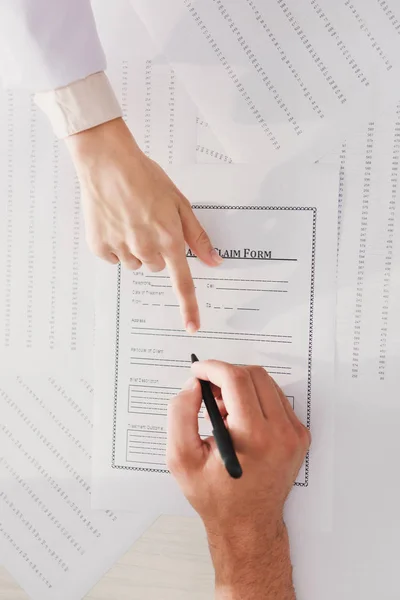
{"x":220,"y":432}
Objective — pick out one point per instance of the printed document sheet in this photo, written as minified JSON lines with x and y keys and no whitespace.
{"x":51,"y":541}
{"x":369,"y":274}
{"x":277,"y":77}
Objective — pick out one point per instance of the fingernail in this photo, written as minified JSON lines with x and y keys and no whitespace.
{"x":216,"y":258}
{"x":190,"y":384}
{"x":191,"y":327}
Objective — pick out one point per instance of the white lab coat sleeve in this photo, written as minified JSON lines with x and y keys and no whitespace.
{"x":47,"y":44}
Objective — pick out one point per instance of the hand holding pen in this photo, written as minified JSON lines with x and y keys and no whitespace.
{"x":243,"y":517}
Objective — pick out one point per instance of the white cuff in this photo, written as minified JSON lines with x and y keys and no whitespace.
{"x":80,"y":105}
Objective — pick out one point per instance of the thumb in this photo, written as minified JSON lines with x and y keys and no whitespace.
{"x":196,"y":237}
{"x":184,"y":444}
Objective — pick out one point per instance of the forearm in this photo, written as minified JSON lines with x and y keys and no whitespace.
{"x":253,"y":565}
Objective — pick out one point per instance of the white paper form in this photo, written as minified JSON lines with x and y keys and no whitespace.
{"x":155,"y":105}
{"x":46,"y":304}
{"x":52,"y":542}
{"x":359,"y":557}
{"x":272,"y":303}
{"x":369,"y":274}
{"x":277,"y":77}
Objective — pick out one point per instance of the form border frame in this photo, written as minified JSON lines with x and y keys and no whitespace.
{"x":310,"y":336}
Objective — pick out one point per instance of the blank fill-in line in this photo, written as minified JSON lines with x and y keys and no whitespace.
{"x":160,"y":365}
{"x":205,"y":337}
{"x":146,"y":462}
{"x":146,"y":440}
{"x":147,"y":432}
{"x":163,"y":359}
{"x":153,"y":391}
{"x":160,"y":451}
{"x":182,"y":367}
{"x":161,"y":398}
{"x":149,"y":405}
{"x":133,"y":398}
{"x":224,"y":279}
{"x":137,"y":412}
{"x":147,"y":437}
{"x":159,"y":387}
{"x":145,"y":448}
{"x":212,"y":332}
{"x":143,"y":439}
{"x":230,"y":289}
{"x":265,"y":366}
{"x":146,"y":453}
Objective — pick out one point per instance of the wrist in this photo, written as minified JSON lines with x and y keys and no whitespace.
{"x":110,"y":139}
{"x":252,"y":562}
{"x":232,"y":549}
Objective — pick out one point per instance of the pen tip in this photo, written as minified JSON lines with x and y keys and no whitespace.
{"x":194,"y":358}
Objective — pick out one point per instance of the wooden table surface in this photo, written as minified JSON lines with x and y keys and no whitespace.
{"x":169,"y":562}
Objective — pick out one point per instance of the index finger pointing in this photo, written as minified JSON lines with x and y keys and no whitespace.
{"x":182,"y":282}
{"x":238,"y":391}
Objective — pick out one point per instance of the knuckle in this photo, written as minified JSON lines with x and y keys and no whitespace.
{"x":147,"y":252}
{"x":146,"y":255}
{"x":203,"y":239}
{"x":305,"y":437}
{"x":156,"y":264}
{"x":259,"y":439}
{"x":172,"y":460}
{"x":174,"y":409}
{"x":172,"y":242}
{"x":132,"y":264}
{"x":290,"y":442}
{"x":155,"y":268}
{"x":240,"y":375}
{"x":176,"y":459}
{"x":184,"y":201}
{"x":185,"y":286}
{"x":136,"y":264}
{"x":256,"y":370}
{"x":98,"y":248}
{"x":144,"y":248}
{"x":119,"y":246}
{"x":174,"y":406}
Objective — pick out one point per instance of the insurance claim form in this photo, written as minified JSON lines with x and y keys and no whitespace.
{"x":271,"y":303}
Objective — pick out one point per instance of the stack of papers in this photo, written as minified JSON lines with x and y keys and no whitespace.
{"x":280,"y":121}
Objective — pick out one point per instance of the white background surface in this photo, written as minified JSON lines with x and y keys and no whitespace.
{"x":169,"y":562}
